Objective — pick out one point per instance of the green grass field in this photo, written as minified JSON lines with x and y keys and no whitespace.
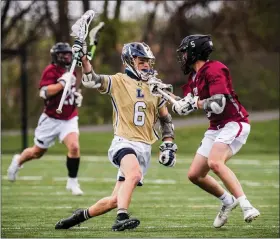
{"x":168,"y":205}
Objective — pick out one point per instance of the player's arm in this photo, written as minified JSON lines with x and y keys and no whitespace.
{"x":48,"y":90}
{"x":167,"y":149}
{"x":90,"y":79}
{"x":215,"y":103}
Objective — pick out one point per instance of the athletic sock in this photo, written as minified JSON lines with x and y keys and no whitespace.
{"x":122,"y":214}
{"x":243,"y":202}
{"x":83,"y":215}
{"x":226,"y":198}
{"x":72,"y":166}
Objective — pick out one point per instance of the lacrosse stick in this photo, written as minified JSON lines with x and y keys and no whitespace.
{"x":94,"y":35}
{"x":167,"y":96}
{"x":80,"y":31}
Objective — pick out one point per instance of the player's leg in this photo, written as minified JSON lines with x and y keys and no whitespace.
{"x":18,"y":160}
{"x":198,"y":174}
{"x":130,"y":168}
{"x":223,"y":149}
{"x":44,"y":138}
{"x":69,"y":135}
{"x":102,"y":206}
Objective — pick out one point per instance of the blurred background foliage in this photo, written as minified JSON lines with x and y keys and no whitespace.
{"x":246,"y":38}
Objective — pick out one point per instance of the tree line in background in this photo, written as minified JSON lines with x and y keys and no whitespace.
{"x":245,"y":36}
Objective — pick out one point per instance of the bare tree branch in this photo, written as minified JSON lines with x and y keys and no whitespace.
{"x":4,"y":13}
{"x":50,"y":21}
{"x":15,"y":19}
{"x":117,"y":10}
{"x":150,"y":24}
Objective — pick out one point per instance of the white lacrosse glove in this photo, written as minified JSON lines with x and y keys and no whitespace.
{"x":67,"y":76}
{"x":80,"y":48}
{"x":78,"y":98}
{"x":155,"y":84}
{"x":167,"y":155}
{"x":186,"y":105}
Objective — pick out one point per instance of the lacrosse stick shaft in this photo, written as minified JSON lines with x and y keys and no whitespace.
{"x":167,"y":96}
{"x":67,"y":86}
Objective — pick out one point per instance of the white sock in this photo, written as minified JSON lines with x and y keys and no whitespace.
{"x":243,"y":201}
{"x":226,"y":198}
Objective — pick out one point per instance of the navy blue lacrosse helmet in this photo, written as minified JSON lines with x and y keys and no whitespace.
{"x":192,"y":49}
{"x":60,"y":47}
{"x":137,"y":49}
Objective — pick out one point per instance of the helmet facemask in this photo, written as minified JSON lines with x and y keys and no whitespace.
{"x":58,"y":52}
{"x":62,"y":59}
{"x":132,"y":53}
{"x":185,"y":61}
{"x":192,"y":49}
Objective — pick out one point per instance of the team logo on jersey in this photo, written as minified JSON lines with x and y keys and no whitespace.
{"x":195,"y":91}
{"x":139,"y":93}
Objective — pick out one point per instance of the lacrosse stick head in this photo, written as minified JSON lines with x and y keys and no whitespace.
{"x":133,"y":50}
{"x":80,"y":28}
{"x":94,"y":34}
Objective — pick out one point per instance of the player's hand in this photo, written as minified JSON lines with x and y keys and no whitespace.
{"x":167,"y":155}
{"x":67,"y":76}
{"x":155,"y":84}
{"x":80,"y":48}
{"x":78,"y":98}
{"x":186,"y":105}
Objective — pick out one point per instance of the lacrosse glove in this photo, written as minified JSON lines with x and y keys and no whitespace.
{"x":80,"y":48}
{"x":167,"y":155}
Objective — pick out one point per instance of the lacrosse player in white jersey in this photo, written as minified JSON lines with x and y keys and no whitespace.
{"x":135,"y":111}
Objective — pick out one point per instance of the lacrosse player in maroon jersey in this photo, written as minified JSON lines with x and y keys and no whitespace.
{"x":209,"y":87}
{"x":51,"y":125}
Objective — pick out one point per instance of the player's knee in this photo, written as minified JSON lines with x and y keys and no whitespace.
{"x":135,"y":177}
{"x":193,"y":177}
{"x":74,"y":149}
{"x":36,"y":154}
{"x":214,"y":165}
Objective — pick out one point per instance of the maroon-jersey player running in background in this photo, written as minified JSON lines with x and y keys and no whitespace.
{"x":51,"y":125}
{"x":209,"y":87}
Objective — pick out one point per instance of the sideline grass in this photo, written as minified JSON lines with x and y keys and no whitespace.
{"x":168,"y":205}
{"x":264,"y":138}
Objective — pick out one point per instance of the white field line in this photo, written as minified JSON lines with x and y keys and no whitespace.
{"x":147,"y":181}
{"x":160,"y":227}
{"x":180,"y":160}
{"x":157,"y":206}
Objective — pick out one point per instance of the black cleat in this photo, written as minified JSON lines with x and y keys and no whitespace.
{"x":70,"y":221}
{"x":121,"y":225}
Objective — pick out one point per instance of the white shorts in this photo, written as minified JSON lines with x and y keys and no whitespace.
{"x":234,"y":134}
{"x":142,"y":150}
{"x":49,"y":129}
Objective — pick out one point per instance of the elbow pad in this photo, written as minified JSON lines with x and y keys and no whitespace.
{"x":91,"y":80}
{"x":44,"y":92}
{"x":215,"y":104}
{"x":167,"y":127}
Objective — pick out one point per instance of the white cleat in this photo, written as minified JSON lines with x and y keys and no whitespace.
{"x":250,"y":214}
{"x":223,"y":215}
{"x":13,"y":168}
{"x":74,"y":186}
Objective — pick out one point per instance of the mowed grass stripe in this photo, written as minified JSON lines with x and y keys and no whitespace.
{"x":30,"y":208}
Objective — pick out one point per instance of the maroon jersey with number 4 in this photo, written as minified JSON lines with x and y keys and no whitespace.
{"x":214,"y":78}
{"x":50,"y":75}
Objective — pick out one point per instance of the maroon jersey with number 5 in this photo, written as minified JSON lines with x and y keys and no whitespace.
{"x":50,"y":75}
{"x":214,"y":78}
